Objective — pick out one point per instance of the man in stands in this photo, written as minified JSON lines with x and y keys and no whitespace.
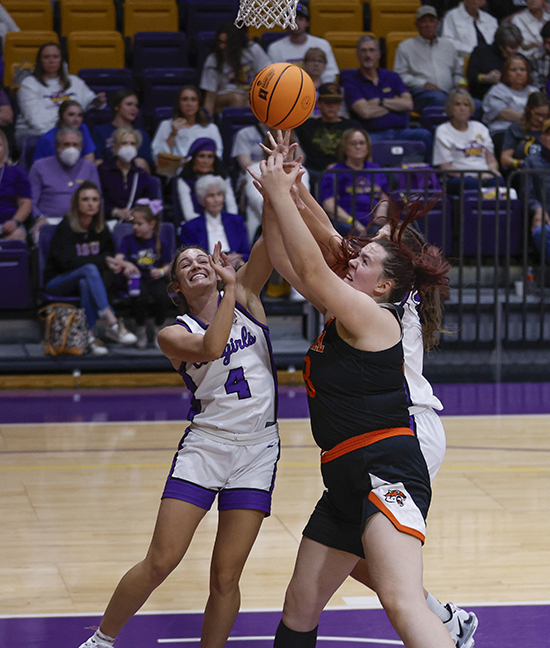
{"x":293,"y":48}
{"x":380,"y":100}
{"x":540,"y":60}
{"x":429,"y":66}
{"x":467,"y":26}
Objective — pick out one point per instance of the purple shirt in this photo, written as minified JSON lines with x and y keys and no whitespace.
{"x":143,"y":252}
{"x":348,"y":196}
{"x":14,"y":183}
{"x":389,"y":85}
{"x":53,"y":184}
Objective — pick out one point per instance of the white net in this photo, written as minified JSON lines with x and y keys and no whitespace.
{"x":268,"y":13}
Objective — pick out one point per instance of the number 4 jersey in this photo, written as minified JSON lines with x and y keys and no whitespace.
{"x":234,"y":397}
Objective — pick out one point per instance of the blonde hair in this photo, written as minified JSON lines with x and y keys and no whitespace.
{"x":147,"y":213}
{"x":126,"y":130}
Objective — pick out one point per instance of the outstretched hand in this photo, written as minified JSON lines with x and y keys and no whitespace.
{"x":222,"y":266}
{"x":281,"y":147}
{"x":273,"y":178}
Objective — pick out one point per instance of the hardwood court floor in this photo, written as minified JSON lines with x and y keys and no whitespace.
{"x":78,"y":504}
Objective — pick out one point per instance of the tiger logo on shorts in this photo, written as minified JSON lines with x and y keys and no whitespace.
{"x":395,"y":496}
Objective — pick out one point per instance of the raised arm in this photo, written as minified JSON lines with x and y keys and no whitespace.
{"x":252,"y":277}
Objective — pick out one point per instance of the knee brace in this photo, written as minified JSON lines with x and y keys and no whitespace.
{"x":287,"y":638}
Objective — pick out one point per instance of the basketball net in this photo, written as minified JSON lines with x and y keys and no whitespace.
{"x":258,"y":13}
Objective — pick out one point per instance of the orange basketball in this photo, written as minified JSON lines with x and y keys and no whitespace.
{"x":282,"y":96}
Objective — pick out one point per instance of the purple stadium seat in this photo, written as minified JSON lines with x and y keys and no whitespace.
{"x":159,"y":50}
{"x":159,"y":114}
{"x":161,"y":86}
{"x":203,"y":45}
{"x":232,"y":120}
{"x":432,"y":116}
{"x":203,"y":15}
{"x":107,"y":80}
{"x":15,"y":290}
{"x":396,"y":152}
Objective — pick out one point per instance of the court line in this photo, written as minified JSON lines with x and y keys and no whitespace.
{"x":353,"y":640}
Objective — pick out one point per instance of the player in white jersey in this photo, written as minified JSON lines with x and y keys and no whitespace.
{"x":221,"y":348}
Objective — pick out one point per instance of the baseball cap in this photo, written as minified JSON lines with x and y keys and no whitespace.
{"x":330,"y":91}
{"x":425,"y":10}
{"x":302,"y":10}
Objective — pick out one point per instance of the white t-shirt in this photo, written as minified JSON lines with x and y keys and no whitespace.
{"x":285,"y":51}
{"x":530,"y":27}
{"x":464,"y":149}
{"x":184,"y":138}
{"x":499,"y":97}
{"x":253,"y":60}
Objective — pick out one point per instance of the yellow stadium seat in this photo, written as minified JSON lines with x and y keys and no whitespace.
{"x":21,"y":47}
{"x":392,"y":15}
{"x":30,"y":15}
{"x":155,"y":15}
{"x":393,"y":39}
{"x":344,"y":46}
{"x":95,"y":49}
{"x":95,"y":15}
{"x":339,"y":15}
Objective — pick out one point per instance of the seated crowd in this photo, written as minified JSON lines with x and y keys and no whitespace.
{"x":108,"y":184}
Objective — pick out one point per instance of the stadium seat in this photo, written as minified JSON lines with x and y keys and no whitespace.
{"x":151,"y":16}
{"x":159,"y":50}
{"x":203,"y":45}
{"x":395,"y":153}
{"x":107,"y":80}
{"x":432,"y":116}
{"x":161,"y":86}
{"x":392,"y":15}
{"x":208,"y":15}
{"x":45,"y":234}
{"x":22,"y":47}
{"x":78,"y":16}
{"x":95,"y":49}
{"x":161,"y":113}
{"x":232,"y":120}
{"x":15,"y":291}
{"x":393,"y":39}
{"x":327,"y":15}
{"x":344,"y":46}
{"x":30,"y":15}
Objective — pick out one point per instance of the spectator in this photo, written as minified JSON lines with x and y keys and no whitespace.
{"x":429,"y":66}
{"x":293,"y":48}
{"x":540,"y":60}
{"x":246,"y":145}
{"x":530,"y":21}
{"x":7,"y":24}
{"x":538,"y":194}
{"x":15,"y":196}
{"x":202,"y":161}
{"x":467,"y":26}
{"x":464,"y":145}
{"x":147,"y":253}
{"x":6,"y":118}
{"x":41,"y":94}
{"x":487,"y":61}
{"x":505,"y":102}
{"x":125,"y":108}
{"x":380,"y":100}
{"x":189,"y":122}
{"x":70,"y":115}
{"x":347,"y":197}
{"x":213,"y":224}
{"x":315,"y":63}
{"x":55,"y":179}
{"x":82,"y":260}
{"x":320,"y":137}
{"x":501,"y":9}
{"x":230,"y":68}
{"x":123,"y":182}
{"x":522,"y":139}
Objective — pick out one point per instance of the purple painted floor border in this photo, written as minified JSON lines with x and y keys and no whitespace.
{"x":509,"y":626}
{"x":104,"y":405}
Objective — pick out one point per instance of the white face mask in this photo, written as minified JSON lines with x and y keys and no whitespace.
{"x":70,"y":156}
{"x":127,"y":153}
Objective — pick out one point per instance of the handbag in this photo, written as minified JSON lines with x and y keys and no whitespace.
{"x":66,"y":329}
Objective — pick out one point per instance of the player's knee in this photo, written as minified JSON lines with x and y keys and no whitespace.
{"x":301,"y":609}
{"x":224,"y":582}
{"x":160,"y":567}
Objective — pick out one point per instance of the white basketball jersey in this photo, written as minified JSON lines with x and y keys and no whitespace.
{"x":420,"y":390}
{"x":234,"y":397}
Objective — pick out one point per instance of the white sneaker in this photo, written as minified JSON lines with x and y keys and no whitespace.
{"x":119,"y":333}
{"x":461,"y":626}
{"x":142,"y":340}
{"x":97,"y":347}
{"x":96,"y":642}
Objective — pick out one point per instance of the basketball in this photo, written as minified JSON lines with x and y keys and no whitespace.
{"x":282,"y":96}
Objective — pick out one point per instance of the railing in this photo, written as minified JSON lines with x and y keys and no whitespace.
{"x":500,"y":283}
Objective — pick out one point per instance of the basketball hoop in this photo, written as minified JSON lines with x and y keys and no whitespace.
{"x":268,"y":13}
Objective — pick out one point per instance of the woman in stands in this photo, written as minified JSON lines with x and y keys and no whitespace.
{"x":125,"y":108}
{"x":15,"y":196}
{"x":230,"y":68}
{"x":189,"y":122}
{"x":202,"y":161}
{"x":71,"y":115}
{"x":82,"y":261}
{"x":123,"y":182}
{"x":220,"y":346}
{"x":41,"y":93}
{"x":377,"y":483}
{"x":462,"y":144}
{"x":351,"y":194}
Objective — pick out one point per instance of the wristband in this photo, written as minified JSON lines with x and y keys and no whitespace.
{"x":349,"y":220}
{"x":480,"y":78}
{"x":19,"y":223}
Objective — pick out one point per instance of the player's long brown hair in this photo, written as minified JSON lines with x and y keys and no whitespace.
{"x":411,"y":264}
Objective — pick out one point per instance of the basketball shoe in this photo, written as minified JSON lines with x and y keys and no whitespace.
{"x":96,"y":642}
{"x":461,"y":626}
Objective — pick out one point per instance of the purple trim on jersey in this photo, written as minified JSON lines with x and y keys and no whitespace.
{"x":243,"y":310}
{"x":202,"y":324}
{"x":188,"y":492}
{"x":180,"y":445}
{"x":195,"y":403}
{"x":245,"y":498}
